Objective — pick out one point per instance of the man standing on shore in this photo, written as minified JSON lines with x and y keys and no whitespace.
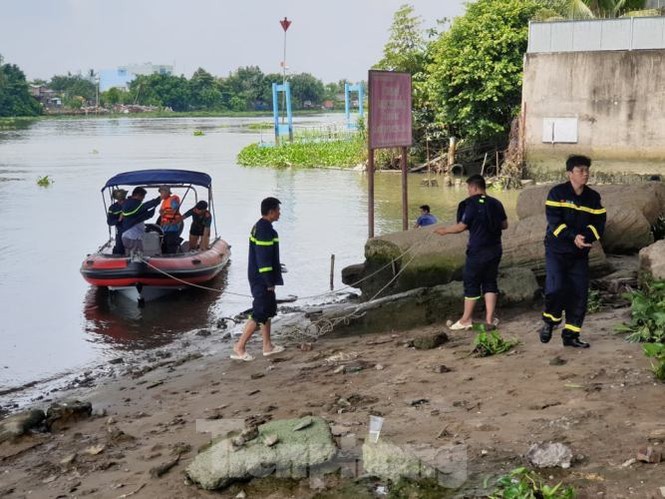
{"x":264,"y":272}
{"x":575,"y":219}
{"x":485,"y":218}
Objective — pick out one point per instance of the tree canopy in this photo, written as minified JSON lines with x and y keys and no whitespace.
{"x":15,"y":98}
{"x":405,"y":48}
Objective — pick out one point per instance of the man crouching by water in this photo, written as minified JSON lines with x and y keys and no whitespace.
{"x":264,"y":271}
{"x":484,"y":218}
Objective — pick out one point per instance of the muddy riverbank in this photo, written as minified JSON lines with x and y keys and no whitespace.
{"x":494,"y":407}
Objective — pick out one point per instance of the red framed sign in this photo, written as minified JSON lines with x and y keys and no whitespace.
{"x":389,"y":121}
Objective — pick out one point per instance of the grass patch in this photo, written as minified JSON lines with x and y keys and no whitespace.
{"x":656,"y":351}
{"x":198,"y":133}
{"x":45,"y":181}
{"x":263,"y":125}
{"x":305,"y":154}
{"x":595,"y":302}
{"x":522,"y":483}
{"x":488,"y":343}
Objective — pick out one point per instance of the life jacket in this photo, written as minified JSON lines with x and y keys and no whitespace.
{"x":169,"y":216}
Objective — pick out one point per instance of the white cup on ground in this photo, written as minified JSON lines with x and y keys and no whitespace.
{"x":375,"y":424}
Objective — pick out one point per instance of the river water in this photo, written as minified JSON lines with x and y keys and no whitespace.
{"x":53,"y":322}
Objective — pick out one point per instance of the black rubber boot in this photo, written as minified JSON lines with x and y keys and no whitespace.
{"x":546,"y":333}
{"x":573,"y":340}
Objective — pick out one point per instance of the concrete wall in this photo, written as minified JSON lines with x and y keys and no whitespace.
{"x":617,"y":97}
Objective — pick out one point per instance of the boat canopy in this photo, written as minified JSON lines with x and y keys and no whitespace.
{"x":160,"y":177}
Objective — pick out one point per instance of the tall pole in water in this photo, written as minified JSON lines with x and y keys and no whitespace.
{"x":285,"y":26}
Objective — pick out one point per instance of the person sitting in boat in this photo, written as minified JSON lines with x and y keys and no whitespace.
{"x":199,"y":231}
{"x":113,"y":219}
{"x":134,"y":213}
{"x":170,"y":220}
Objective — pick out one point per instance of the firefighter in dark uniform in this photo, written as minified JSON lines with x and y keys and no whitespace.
{"x":575,"y":219}
{"x":264,"y":272}
{"x":485,"y":218}
{"x":113,"y":219}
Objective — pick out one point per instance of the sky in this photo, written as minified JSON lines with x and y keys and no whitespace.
{"x":331,"y":39}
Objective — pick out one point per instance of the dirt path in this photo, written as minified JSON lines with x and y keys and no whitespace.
{"x":602,"y":402}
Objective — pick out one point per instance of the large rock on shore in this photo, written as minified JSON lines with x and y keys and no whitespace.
{"x":446,"y":464}
{"x":295,"y":452}
{"x":426,"y":259}
{"x":649,"y":198}
{"x":409,"y":309}
{"x":652,"y":260}
{"x":20,"y":423}
{"x":631,"y":211}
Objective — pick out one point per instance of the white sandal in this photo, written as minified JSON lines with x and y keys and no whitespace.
{"x":246,"y":357}
{"x":458,"y":326}
{"x":275,"y":350}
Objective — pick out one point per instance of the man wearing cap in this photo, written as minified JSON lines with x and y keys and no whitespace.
{"x":113,"y":219}
{"x":199,"y":231}
{"x":575,"y":219}
{"x":170,"y":220}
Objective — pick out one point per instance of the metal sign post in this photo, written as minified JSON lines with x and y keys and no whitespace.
{"x":388,"y":125}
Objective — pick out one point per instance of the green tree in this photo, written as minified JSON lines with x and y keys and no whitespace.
{"x":15,"y":98}
{"x":114,"y":96}
{"x":205,"y":91}
{"x":306,"y":88}
{"x":475,"y":77}
{"x":162,"y":90}
{"x":587,"y":9}
{"x":405,"y":49}
{"x":71,"y":87}
{"x":244,"y":87}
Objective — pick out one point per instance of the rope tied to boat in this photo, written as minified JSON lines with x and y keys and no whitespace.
{"x":320,"y":327}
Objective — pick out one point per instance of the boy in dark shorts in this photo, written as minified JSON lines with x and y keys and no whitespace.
{"x":485,"y":218}
{"x":199,"y":232}
{"x":264,"y":272}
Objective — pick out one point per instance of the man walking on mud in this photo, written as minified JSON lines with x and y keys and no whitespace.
{"x":264,"y":271}
{"x":485,"y":218}
{"x":575,"y":219}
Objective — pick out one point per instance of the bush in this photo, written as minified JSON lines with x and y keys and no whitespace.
{"x":490,"y":343}
{"x":312,"y":154}
{"x":524,"y":484}
{"x":647,"y":324}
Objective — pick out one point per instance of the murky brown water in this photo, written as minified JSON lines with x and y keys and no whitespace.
{"x":53,"y":321}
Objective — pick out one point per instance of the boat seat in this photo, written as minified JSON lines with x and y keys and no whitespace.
{"x":152,"y":244}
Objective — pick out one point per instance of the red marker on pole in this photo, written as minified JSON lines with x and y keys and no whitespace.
{"x":285,"y":26}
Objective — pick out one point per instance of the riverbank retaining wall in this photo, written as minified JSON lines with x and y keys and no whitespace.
{"x":606,"y":104}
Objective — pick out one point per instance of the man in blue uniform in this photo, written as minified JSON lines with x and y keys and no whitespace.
{"x":485,"y":218}
{"x":575,"y":219}
{"x":425,"y":218}
{"x":113,"y":219}
{"x":134,"y":213}
{"x":264,"y":272}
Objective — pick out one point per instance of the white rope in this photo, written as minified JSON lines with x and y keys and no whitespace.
{"x":327,"y":293}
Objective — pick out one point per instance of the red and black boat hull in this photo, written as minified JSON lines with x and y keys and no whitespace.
{"x":105,"y":270}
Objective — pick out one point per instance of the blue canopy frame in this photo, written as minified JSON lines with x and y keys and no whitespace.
{"x":159,"y":177}
{"x":162,"y":177}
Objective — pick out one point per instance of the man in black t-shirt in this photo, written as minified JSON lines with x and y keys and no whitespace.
{"x":485,"y":219}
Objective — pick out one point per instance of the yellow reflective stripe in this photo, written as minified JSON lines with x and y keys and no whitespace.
{"x":595,"y":232}
{"x":265,"y":269}
{"x":130,"y":213}
{"x":558,"y":230}
{"x":551,"y":317}
{"x":573,"y":206}
{"x":115,"y":212}
{"x":259,"y":242}
{"x":572,"y":328}
{"x":472,"y":297}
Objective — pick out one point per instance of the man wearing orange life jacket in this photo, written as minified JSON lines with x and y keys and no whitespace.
{"x":170,"y":220}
